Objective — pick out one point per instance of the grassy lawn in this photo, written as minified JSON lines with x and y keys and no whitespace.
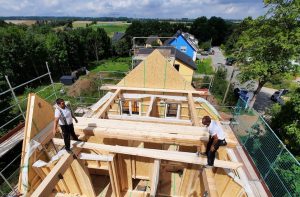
{"x":113,"y":64}
{"x":205,"y":66}
{"x":109,"y":27}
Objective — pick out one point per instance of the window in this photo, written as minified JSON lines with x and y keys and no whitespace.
{"x":176,"y":66}
{"x":130,"y":107}
{"x":125,"y":107}
{"x":183,"y":49}
{"x":172,"y":110}
{"x":135,"y":107}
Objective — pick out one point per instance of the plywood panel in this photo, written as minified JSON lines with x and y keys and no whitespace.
{"x":155,"y":72}
{"x":38,"y":116}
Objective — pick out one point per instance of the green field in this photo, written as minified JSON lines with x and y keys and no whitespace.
{"x":113,"y":64}
{"x":205,"y":66}
{"x":109,"y":27}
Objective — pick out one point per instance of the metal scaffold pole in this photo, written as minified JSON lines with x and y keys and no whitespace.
{"x":14,"y":95}
{"x":51,"y":80}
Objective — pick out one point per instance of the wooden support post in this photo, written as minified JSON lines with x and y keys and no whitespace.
{"x":150,"y":105}
{"x":155,"y":177}
{"x":128,"y":171}
{"x":114,"y":181}
{"x":192,"y":109}
{"x":209,"y":182}
{"x":47,"y":185}
{"x":105,"y":108}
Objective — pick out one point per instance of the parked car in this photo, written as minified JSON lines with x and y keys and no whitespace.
{"x":276,"y":96}
{"x":211,"y":52}
{"x":205,"y":53}
{"x":230,"y":61}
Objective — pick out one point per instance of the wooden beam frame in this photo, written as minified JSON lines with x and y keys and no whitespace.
{"x":47,"y":185}
{"x":151,"y":120}
{"x":193,"y":111}
{"x":114,"y":179}
{"x":106,"y":106}
{"x":202,"y":93}
{"x":155,"y":177}
{"x":183,"y":157}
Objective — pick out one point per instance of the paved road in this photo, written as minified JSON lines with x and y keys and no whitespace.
{"x":263,"y":100}
{"x":218,"y":59}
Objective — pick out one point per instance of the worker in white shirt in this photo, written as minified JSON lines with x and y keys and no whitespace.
{"x":63,"y":116}
{"x":216,"y":139}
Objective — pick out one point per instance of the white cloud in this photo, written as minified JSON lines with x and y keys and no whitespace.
{"x":132,"y":8}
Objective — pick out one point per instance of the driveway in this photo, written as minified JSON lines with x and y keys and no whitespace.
{"x":263,"y":100}
{"x":218,"y":59}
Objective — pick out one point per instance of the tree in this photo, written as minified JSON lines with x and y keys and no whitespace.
{"x":285,"y":121}
{"x":121,"y":48}
{"x":214,"y":29}
{"x":270,"y":42}
{"x":234,"y":36}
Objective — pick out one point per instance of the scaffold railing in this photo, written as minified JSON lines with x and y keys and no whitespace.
{"x":277,"y":166}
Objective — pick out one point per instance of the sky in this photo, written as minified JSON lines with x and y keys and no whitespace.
{"x":228,"y":9}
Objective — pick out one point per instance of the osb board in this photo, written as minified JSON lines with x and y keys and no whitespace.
{"x":155,"y":72}
{"x":191,"y":182}
{"x":38,"y":115}
{"x":232,"y":189}
{"x":143,"y":167}
{"x":169,"y":181}
{"x":221,"y":180}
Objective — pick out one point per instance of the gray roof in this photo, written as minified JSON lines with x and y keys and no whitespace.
{"x":186,"y":36}
{"x":151,"y":39}
{"x":117,"y":36}
{"x":182,"y":57}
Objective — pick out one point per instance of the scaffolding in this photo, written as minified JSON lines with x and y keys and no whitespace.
{"x":277,"y":166}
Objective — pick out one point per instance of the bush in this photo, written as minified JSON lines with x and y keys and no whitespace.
{"x":219,"y":87}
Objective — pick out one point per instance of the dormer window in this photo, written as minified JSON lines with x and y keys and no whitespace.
{"x":183,"y":49}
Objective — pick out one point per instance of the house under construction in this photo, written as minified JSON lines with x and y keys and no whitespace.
{"x":140,"y":139}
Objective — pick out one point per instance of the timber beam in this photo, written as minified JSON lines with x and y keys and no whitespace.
{"x":102,"y":112}
{"x":184,"y":157}
{"x":202,"y":93}
{"x":50,"y":181}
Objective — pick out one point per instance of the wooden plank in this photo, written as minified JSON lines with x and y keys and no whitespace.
{"x":83,"y":177}
{"x":106,"y":106}
{"x":113,"y":179}
{"x":38,"y":117}
{"x":155,"y":177}
{"x":113,"y":166}
{"x":46,"y":187}
{"x":192,"y":109}
{"x":209,"y":182}
{"x":106,"y":126}
{"x":153,"y":98}
{"x":202,"y":93}
{"x":154,"y":137}
{"x":150,"y":119}
{"x":183,"y":157}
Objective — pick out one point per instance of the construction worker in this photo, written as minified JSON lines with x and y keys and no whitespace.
{"x":63,"y":116}
{"x":216,"y":139}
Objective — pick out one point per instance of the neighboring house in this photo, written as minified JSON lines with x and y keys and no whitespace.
{"x":153,"y":40}
{"x":184,"y":42}
{"x":182,"y":62}
{"x":117,"y":36}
